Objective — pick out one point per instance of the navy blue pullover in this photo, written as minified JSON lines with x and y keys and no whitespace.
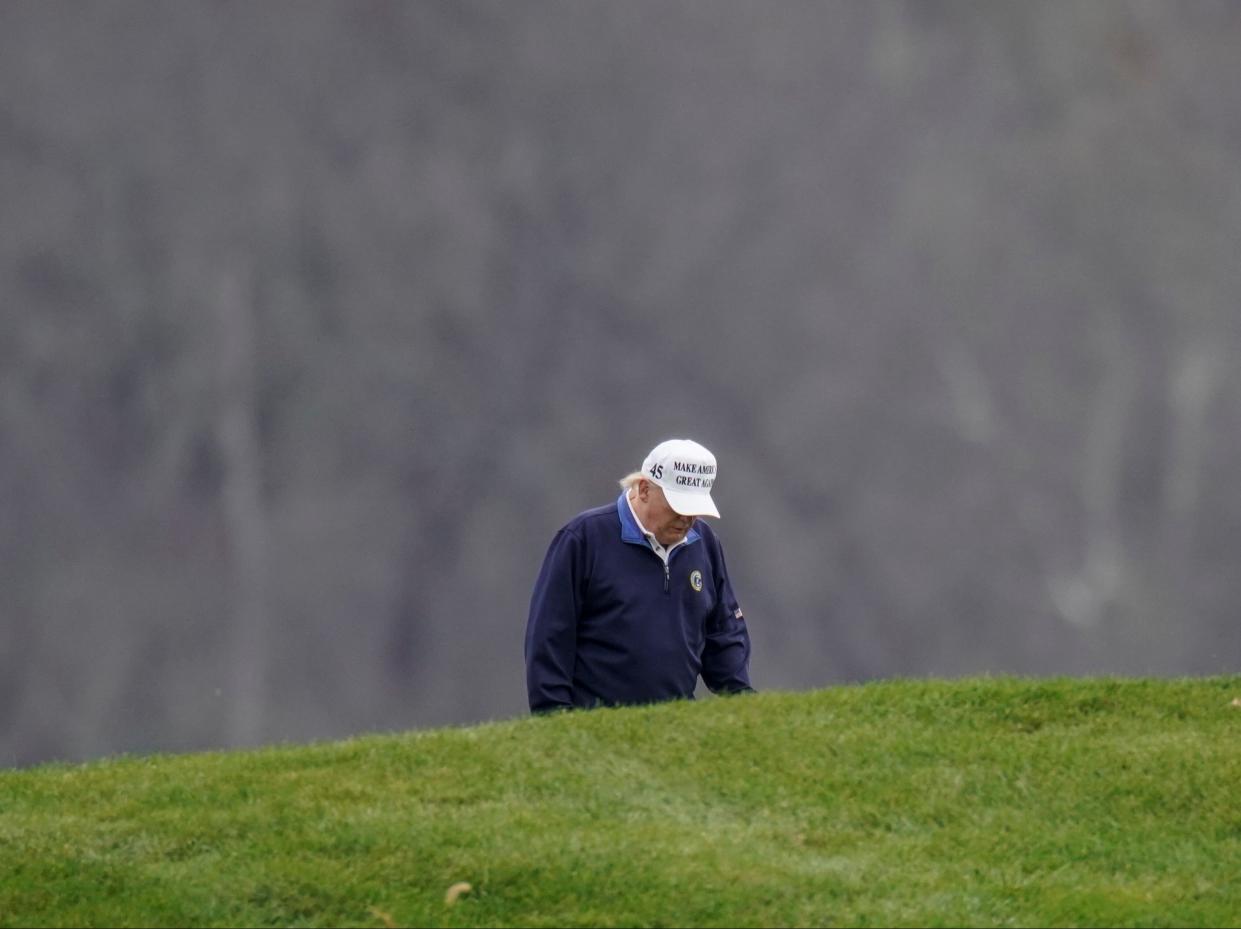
{"x":610,"y":625}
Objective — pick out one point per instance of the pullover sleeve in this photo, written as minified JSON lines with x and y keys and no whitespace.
{"x":551,"y":631}
{"x":726,"y":655}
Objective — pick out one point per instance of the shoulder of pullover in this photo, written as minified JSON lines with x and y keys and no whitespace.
{"x":592,"y":519}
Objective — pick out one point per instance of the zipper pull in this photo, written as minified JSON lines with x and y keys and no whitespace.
{"x":667,"y":578}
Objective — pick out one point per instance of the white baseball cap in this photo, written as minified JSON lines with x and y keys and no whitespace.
{"x":686,"y":472}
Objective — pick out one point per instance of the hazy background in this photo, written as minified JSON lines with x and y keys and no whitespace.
{"x":317,"y":321}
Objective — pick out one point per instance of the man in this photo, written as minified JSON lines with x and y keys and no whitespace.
{"x":633,"y":601}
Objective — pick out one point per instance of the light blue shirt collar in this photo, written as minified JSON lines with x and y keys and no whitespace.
{"x":632,"y":531}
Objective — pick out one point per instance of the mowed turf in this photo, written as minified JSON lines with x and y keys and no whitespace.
{"x":1061,"y":802}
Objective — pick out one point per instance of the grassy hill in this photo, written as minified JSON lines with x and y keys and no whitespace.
{"x":974,"y":802}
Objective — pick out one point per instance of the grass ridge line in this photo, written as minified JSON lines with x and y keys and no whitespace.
{"x":976,"y":801}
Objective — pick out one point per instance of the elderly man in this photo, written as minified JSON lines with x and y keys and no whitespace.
{"x":633,"y":601}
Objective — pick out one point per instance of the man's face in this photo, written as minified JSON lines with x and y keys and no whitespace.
{"x":669,"y":526}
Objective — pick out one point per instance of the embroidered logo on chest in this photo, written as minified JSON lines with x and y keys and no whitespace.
{"x":695,"y":580}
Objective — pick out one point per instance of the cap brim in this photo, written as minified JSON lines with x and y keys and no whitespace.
{"x":688,"y":503}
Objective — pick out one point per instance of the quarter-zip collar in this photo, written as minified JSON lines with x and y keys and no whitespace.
{"x":634,"y":532}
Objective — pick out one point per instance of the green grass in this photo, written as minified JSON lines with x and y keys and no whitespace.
{"x":973,"y":802}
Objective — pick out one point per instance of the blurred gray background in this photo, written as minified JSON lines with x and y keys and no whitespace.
{"x":318,"y":319}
